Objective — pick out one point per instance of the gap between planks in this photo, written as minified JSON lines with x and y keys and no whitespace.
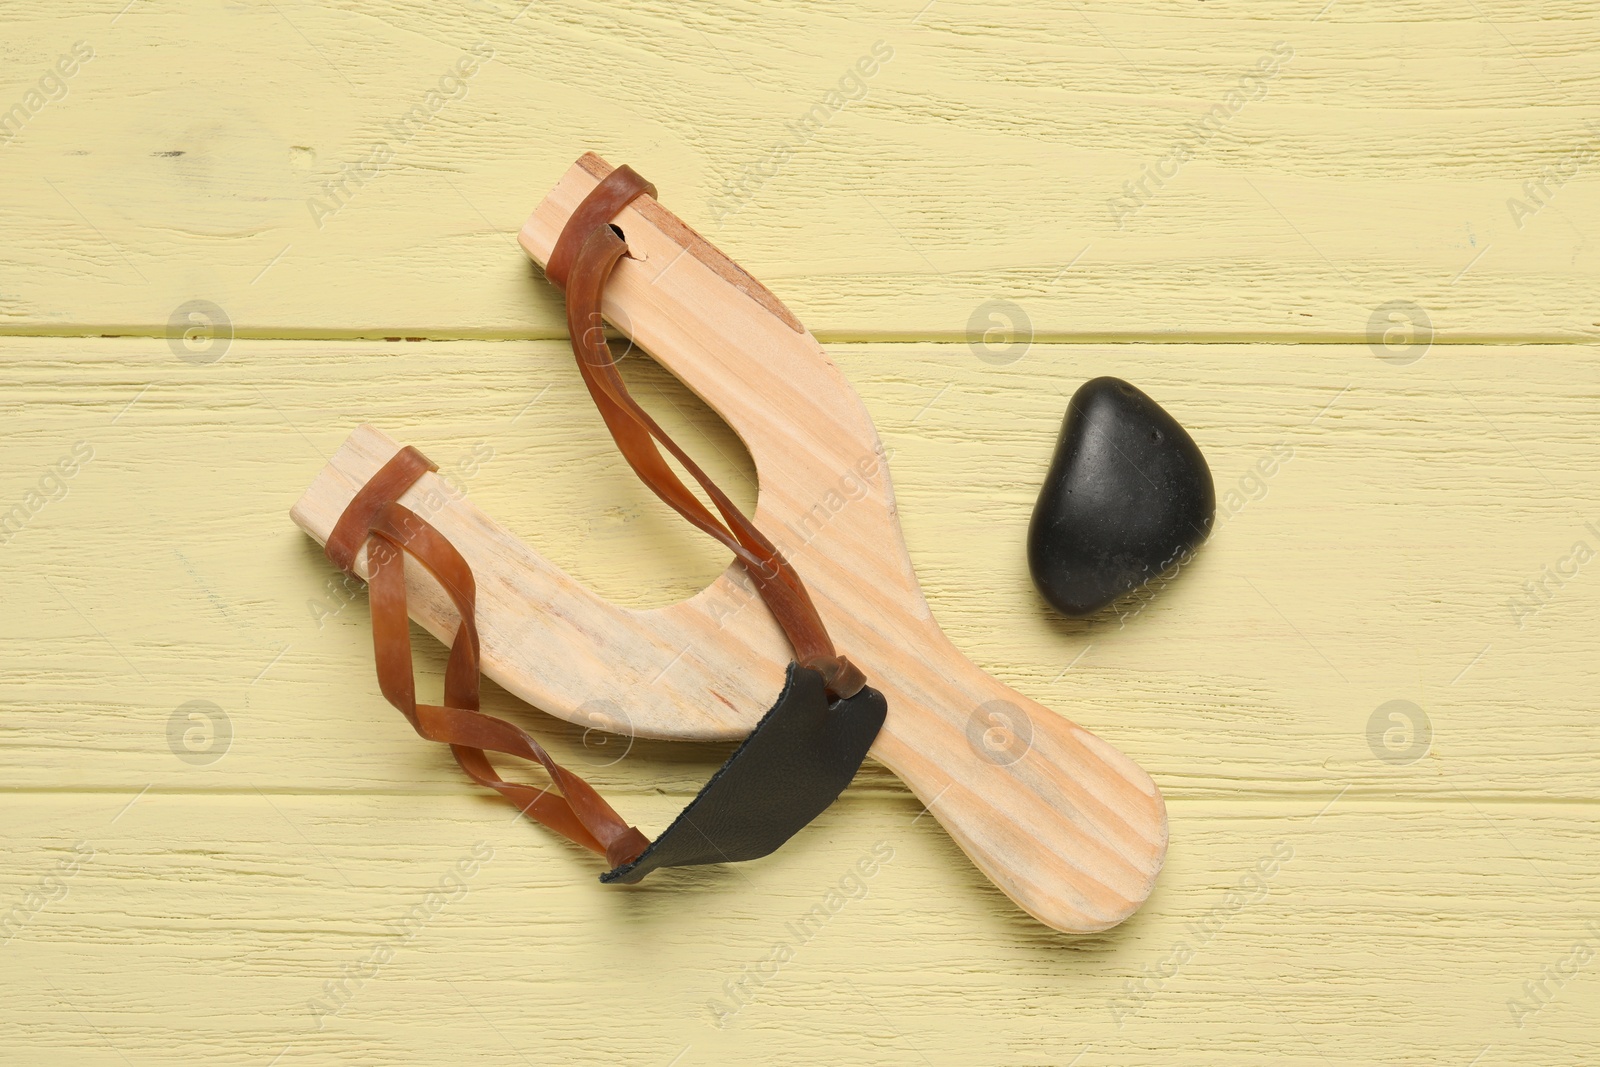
{"x":113,"y":331}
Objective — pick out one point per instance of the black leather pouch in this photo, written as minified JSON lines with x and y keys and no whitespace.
{"x":801,"y":755}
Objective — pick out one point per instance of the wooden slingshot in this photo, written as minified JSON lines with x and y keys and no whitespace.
{"x":1065,"y":825}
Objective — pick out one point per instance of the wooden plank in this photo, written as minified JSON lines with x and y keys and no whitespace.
{"x":1380,"y":563}
{"x":988,"y":156}
{"x":386,"y":930}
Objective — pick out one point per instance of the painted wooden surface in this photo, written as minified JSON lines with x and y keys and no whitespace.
{"x":1339,"y":888}
{"x":1324,"y":159}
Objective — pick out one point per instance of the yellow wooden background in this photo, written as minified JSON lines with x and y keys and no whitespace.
{"x":185,"y":881}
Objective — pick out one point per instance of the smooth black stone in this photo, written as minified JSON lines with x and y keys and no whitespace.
{"x":1128,"y":495}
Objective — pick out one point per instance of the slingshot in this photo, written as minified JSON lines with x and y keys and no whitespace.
{"x":1069,"y":828}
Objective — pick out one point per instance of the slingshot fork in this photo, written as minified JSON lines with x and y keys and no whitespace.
{"x":1068,"y":827}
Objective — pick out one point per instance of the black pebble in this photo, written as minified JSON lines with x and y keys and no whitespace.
{"x":1128,"y":494}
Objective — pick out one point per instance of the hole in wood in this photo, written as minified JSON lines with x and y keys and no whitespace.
{"x":630,"y":253}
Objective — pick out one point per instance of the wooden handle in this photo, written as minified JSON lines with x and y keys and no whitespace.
{"x":1067,"y":826}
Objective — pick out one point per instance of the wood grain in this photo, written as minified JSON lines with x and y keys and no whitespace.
{"x":979,"y":162}
{"x":1381,"y":931}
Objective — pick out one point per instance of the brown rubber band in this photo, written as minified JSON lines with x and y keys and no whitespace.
{"x":616,"y":191}
{"x":583,"y":274}
{"x":390,"y":531}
